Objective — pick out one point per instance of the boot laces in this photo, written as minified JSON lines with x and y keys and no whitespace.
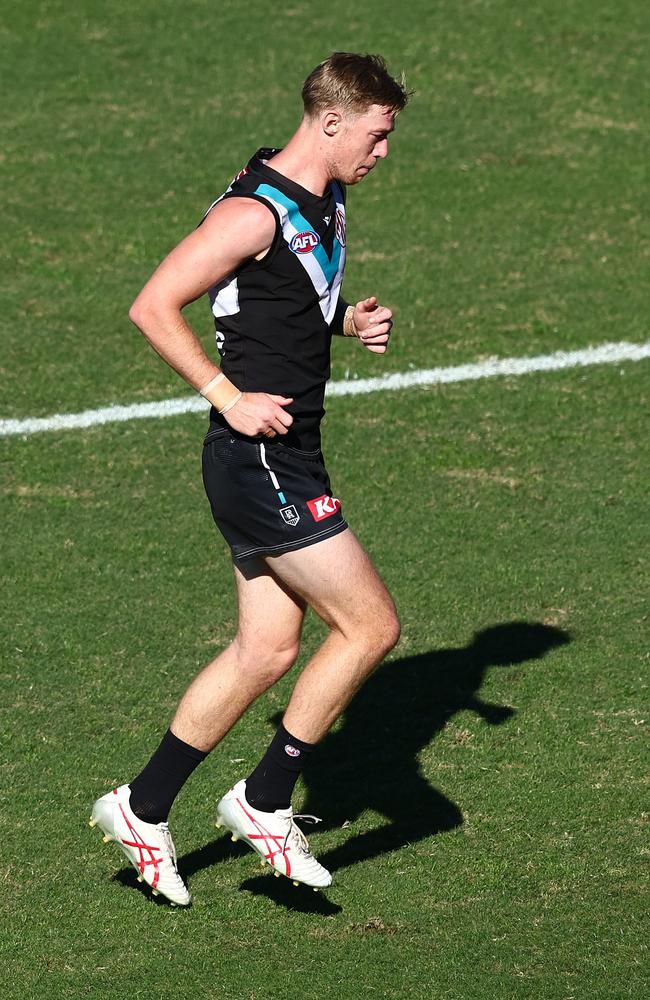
{"x":169,"y":843}
{"x":296,"y":835}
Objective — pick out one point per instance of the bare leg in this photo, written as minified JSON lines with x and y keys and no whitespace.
{"x":338,"y":580}
{"x":265,"y":647}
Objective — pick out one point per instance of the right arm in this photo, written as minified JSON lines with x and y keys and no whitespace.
{"x":236,"y":230}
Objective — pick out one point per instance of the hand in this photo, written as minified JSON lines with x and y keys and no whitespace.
{"x":374,"y":323}
{"x":260,"y":413}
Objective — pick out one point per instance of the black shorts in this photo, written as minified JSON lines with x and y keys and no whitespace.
{"x":267,"y":498}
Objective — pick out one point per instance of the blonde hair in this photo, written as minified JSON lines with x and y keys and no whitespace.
{"x":352,"y":82}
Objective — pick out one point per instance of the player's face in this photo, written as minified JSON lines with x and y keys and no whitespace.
{"x":364,"y":141}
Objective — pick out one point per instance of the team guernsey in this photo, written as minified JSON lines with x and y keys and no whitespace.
{"x":273,"y":317}
{"x":273,"y":321}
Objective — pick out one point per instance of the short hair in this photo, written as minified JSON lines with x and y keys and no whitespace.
{"x":352,"y":82}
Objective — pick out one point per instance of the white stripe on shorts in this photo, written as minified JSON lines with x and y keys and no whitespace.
{"x":274,"y":478}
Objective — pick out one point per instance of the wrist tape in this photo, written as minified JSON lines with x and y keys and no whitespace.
{"x":221,"y":393}
{"x":349,"y":329}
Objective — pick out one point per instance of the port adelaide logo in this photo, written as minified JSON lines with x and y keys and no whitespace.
{"x":304,"y":242}
{"x":339,"y":226}
{"x":290,"y":515}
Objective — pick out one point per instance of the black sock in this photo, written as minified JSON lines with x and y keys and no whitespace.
{"x":271,"y":784}
{"x":156,"y":787}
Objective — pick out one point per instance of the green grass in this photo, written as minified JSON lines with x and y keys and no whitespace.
{"x":495,"y":821}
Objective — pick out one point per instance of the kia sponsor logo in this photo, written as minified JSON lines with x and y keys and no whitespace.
{"x":292,"y":751}
{"x":304,"y":242}
{"x":323,"y":507}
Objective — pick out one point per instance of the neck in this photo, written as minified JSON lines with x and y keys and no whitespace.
{"x":302,"y":161}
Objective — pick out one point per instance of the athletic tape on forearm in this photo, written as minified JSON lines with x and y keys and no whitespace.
{"x":349,"y":328}
{"x":221,"y":393}
{"x":229,"y":405}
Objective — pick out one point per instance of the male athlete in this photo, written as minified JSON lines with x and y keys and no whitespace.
{"x":270,"y":253}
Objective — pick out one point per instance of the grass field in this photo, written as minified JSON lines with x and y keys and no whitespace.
{"x":485,"y":797}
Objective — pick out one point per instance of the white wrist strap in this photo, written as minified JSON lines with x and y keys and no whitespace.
{"x":211,"y":384}
{"x":221,"y":393}
{"x":229,"y":406}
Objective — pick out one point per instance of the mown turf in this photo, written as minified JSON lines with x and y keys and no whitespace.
{"x":493,"y":813}
{"x":485,"y":797}
{"x":508,"y":218}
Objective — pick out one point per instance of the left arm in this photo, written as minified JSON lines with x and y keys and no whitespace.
{"x":368,"y":321}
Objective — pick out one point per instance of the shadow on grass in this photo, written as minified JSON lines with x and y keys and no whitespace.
{"x":128,"y":878}
{"x":282,"y":892}
{"x":370,"y":762}
{"x":300,"y":899}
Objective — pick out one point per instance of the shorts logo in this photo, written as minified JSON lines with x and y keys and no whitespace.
{"x":292,"y":751}
{"x":304,"y":242}
{"x":323,"y":507}
{"x":339,"y":226}
{"x":290,"y":515}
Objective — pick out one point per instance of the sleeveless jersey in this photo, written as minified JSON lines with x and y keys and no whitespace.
{"x":273,"y":317}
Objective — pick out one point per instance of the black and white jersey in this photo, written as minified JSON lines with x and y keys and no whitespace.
{"x":273,"y":316}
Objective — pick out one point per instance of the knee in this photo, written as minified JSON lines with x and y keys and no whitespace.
{"x":379,"y":633}
{"x":262,"y":664}
{"x":389,"y":632}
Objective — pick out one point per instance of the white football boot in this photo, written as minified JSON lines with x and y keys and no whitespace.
{"x":148,"y":846}
{"x":275,"y":836}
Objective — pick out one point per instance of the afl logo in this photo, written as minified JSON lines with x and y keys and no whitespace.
{"x":292,"y":751}
{"x":304,"y":242}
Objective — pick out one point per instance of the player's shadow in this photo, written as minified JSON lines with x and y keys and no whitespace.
{"x":371,"y":762}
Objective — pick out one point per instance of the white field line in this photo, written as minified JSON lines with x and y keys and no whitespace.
{"x":606,"y":354}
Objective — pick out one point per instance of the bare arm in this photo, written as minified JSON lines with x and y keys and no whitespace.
{"x":368,"y":321}
{"x":235,"y":230}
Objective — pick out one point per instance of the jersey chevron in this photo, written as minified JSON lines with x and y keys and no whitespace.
{"x":273,"y":317}
{"x":325,"y":272}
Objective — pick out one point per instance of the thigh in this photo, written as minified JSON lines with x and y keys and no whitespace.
{"x":270,"y":612}
{"x":337,"y":578}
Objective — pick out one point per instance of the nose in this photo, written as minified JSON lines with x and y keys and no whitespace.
{"x":381,"y":149}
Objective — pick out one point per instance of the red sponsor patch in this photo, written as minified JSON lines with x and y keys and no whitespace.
{"x":323,"y":507}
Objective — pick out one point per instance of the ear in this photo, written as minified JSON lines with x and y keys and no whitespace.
{"x":331,"y":122}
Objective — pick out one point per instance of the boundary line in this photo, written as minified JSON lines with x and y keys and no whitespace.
{"x":606,"y":354}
